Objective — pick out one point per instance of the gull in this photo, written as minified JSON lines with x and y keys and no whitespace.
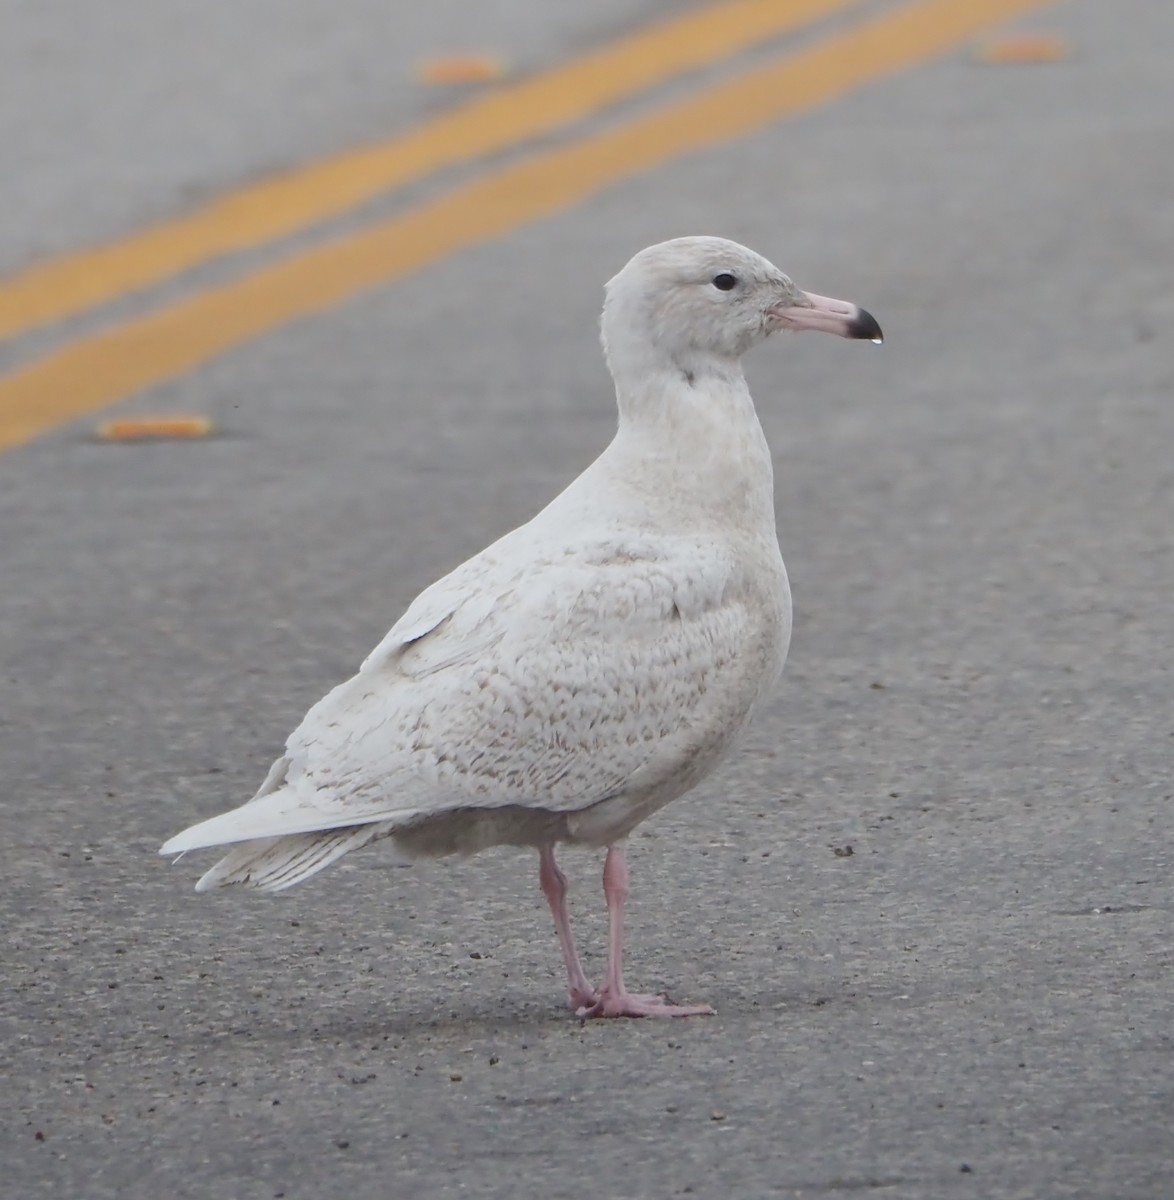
{"x":593,"y":664}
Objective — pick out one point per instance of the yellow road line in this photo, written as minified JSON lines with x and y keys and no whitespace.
{"x":277,"y":207}
{"x":106,"y":367}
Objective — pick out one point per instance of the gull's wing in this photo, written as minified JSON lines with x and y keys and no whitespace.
{"x":558,"y":681}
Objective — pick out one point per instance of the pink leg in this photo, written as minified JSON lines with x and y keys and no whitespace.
{"x":554,"y":888}
{"x":614,"y":999}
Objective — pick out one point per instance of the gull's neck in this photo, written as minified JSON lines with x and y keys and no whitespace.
{"x":689,"y":440}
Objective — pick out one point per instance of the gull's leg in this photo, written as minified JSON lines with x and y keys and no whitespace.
{"x":614,"y":999}
{"x":554,"y":887}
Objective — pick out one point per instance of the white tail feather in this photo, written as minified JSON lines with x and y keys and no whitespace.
{"x":277,"y":814}
{"x":273,"y":864}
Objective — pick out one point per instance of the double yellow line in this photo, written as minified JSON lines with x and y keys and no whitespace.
{"x":101,"y":368}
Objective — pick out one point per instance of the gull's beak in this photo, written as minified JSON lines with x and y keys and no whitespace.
{"x":827,"y":316}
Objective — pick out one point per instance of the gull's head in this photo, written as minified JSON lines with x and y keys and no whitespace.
{"x":695,"y":301}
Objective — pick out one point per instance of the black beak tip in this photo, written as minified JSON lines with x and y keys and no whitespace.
{"x":865,"y":325}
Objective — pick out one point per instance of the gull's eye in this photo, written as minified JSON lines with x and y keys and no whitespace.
{"x":725,"y":282}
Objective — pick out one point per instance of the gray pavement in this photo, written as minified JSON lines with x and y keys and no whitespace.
{"x":115,"y":115}
{"x":977,"y":520}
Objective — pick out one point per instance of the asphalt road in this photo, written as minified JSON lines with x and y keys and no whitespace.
{"x":977,"y":521}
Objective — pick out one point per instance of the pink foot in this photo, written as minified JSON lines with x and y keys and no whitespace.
{"x":635,"y":1004}
{"x":614,"y":999}
{"x":581,"y":1000}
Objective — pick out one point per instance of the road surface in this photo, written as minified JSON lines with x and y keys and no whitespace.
{"x":972,"y":1001}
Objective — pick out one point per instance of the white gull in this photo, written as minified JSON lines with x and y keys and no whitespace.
{"x":595,"y":663}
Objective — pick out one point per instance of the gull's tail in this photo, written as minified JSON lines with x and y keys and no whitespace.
{"x":273,"y":864}
{"x":282,"y":838}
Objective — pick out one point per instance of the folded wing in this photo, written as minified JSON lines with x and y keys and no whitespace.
{"x":556,"y":684}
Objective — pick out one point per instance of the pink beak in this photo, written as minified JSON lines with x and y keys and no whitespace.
{"x":827,"y":316}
